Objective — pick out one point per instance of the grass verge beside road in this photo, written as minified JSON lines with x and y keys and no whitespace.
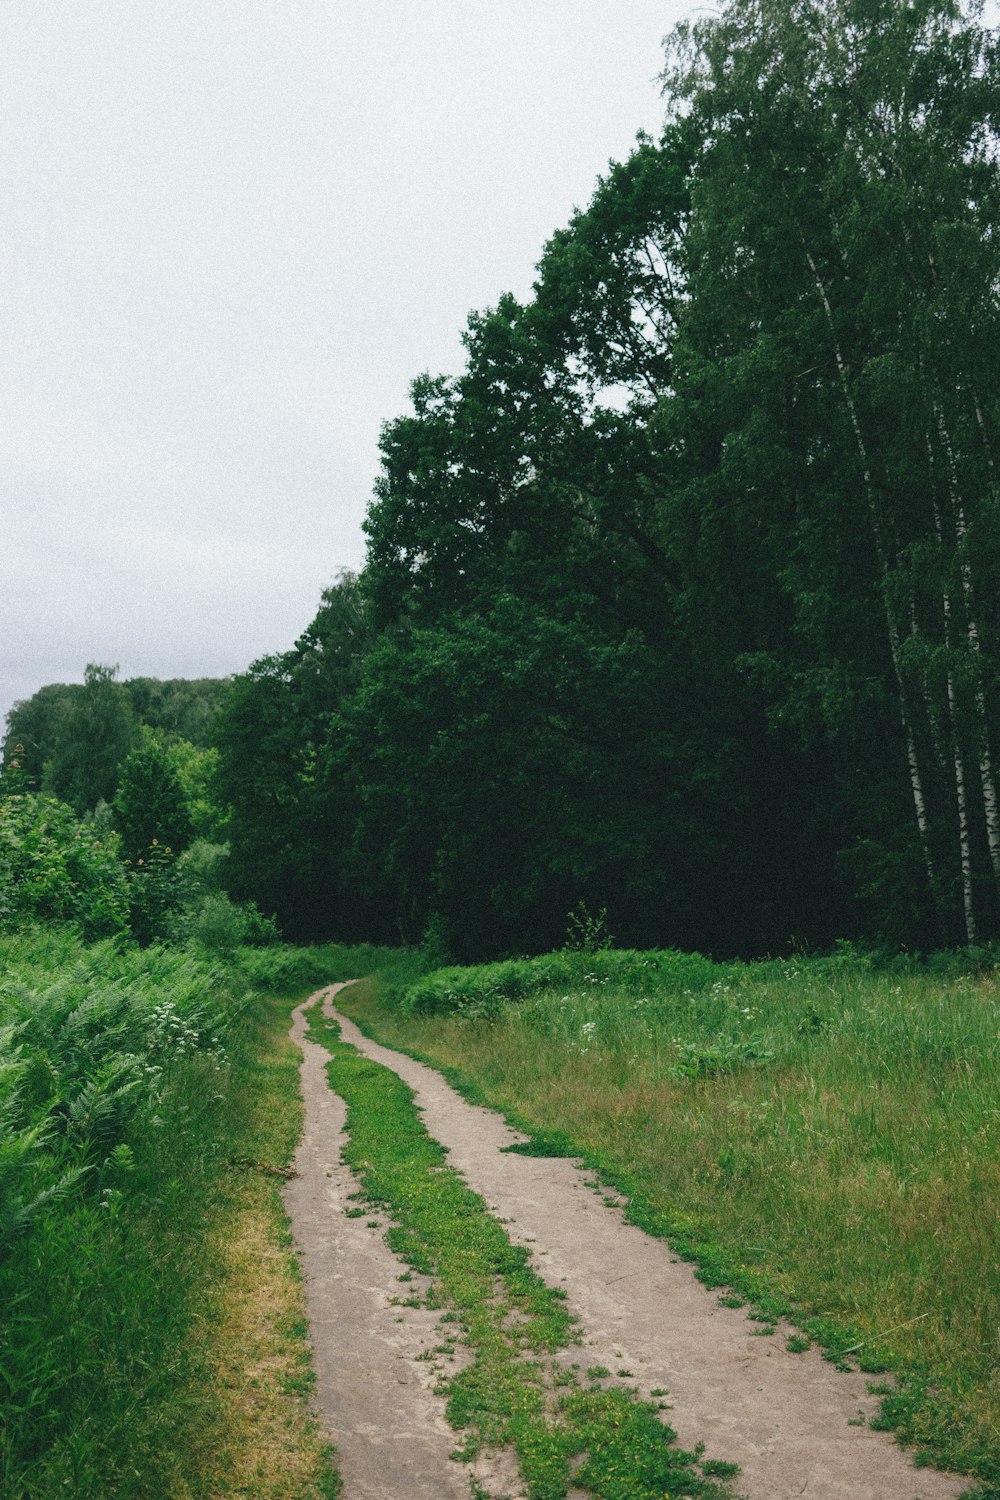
{"x":152,"y":1330}
{"x":820,"y":1138}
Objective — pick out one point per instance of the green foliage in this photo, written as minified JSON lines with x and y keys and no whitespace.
{"x":96,"y":1057}
{"x":288,"y":821}
{"x":150,"y":805}
{"x":215,"y":922}
{"x":586,"y":932}
{"x":129,"y":1084}
{"x":154,"y":894}
{"x":74,"y":737}
{"x":285,"y":970}
{"x":201,"y":869}
{"x":32,"y":729}
{"x":92,"y":737}
{"x":183,"y":710}
{"x":196,"y":770}
{"x":54,"y":867}
{"x":483,"y":990}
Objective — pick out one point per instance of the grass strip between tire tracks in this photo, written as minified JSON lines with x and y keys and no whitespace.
{"x":598,"y":1437}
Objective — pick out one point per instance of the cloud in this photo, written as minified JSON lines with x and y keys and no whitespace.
{"x":233,"y":234}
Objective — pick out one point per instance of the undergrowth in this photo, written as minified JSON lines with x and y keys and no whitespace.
{"x":129,"y":1107}
{"x":511,"y":1393}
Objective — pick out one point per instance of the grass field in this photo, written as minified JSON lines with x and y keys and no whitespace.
{"x":822,"y":1138}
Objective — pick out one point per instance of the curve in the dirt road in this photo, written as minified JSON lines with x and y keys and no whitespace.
{"x":795,"y":1425}
{"x":372,"y":1389}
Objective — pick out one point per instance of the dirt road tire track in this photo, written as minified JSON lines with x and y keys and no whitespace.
{"x":373,"y":1393}
{"x":790,"y":1421}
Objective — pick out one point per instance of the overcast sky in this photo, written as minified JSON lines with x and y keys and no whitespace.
{"x":233,"y":233}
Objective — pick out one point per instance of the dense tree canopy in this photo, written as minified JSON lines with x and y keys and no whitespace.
{"x":681,"y":599}
{"x":149,"y":805}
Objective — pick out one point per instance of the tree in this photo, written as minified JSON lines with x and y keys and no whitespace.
{"x":840,"y":332}
{"x":288,"y":826}
{"x":681,"y":597}
{"x":93,"y":736}
{"x":33,"y":724}
{"x":150,"y":806}
{"x":53,"y":868}
{"x":179,"y":707}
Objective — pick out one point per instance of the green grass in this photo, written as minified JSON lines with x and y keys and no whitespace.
{"x":512,"y":1392}
{"x":818,"y":1136}
{"x":149,"y":1102}
{"x":264,"y":1442}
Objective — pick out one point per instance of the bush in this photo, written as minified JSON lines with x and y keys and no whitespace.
{"x":154,"y":895}
{"x":54,"y":867}
{"x":484,"y":989}
{"x":287,"y":971}
{"x":114,"y":1080}
{"x":216,"y":923}
{"x":85,"y":1053}
{"x":149,"y":805}
{"x":200,"y":869}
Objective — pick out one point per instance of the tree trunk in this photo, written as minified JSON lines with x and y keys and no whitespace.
{"x":986,"y":776}
{"x":912,"y":757}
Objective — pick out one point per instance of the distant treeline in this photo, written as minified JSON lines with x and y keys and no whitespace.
{"x":73,"y":737}
{"x":683,"y":599}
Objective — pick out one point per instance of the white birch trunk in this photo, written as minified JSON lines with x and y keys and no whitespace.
{"x":964,"y":845}
{"x":986,"y":776}
{"x":963,"y":818}
{"x":912,"y":758}
{"x":937,"y":738}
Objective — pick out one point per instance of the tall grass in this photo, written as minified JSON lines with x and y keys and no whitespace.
{"x":817,"y":1132}
{"x":128,"y":1111}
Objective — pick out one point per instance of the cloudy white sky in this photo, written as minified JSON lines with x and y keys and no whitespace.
{"x":233,"y":233}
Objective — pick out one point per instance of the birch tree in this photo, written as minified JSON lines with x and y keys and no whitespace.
{"x":842,"y":253}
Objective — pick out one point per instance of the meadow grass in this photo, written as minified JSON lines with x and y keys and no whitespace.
{"x":152,"y":1330}
{"x":820,"y":1137}
{"x":251,"y":1336}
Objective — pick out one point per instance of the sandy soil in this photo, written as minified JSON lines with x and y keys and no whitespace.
{"x":789,"y":1420}
{"x":374,"y":1384}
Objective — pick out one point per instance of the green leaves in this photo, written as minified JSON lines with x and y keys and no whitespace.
{"x":57,"y":868}
{"x":150,"y":804}
{"x":681,"y":596}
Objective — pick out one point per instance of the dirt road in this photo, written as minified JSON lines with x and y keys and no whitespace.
{"x":793,"y":1424}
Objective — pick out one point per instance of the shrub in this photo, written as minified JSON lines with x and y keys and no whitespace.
{"x":54,"y":867}
{"x":217,"y":923}
{"x":484,"y":989}
{"x":154,"y":894}
{"x":149,"y":805}
{"x":285,"y":970}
